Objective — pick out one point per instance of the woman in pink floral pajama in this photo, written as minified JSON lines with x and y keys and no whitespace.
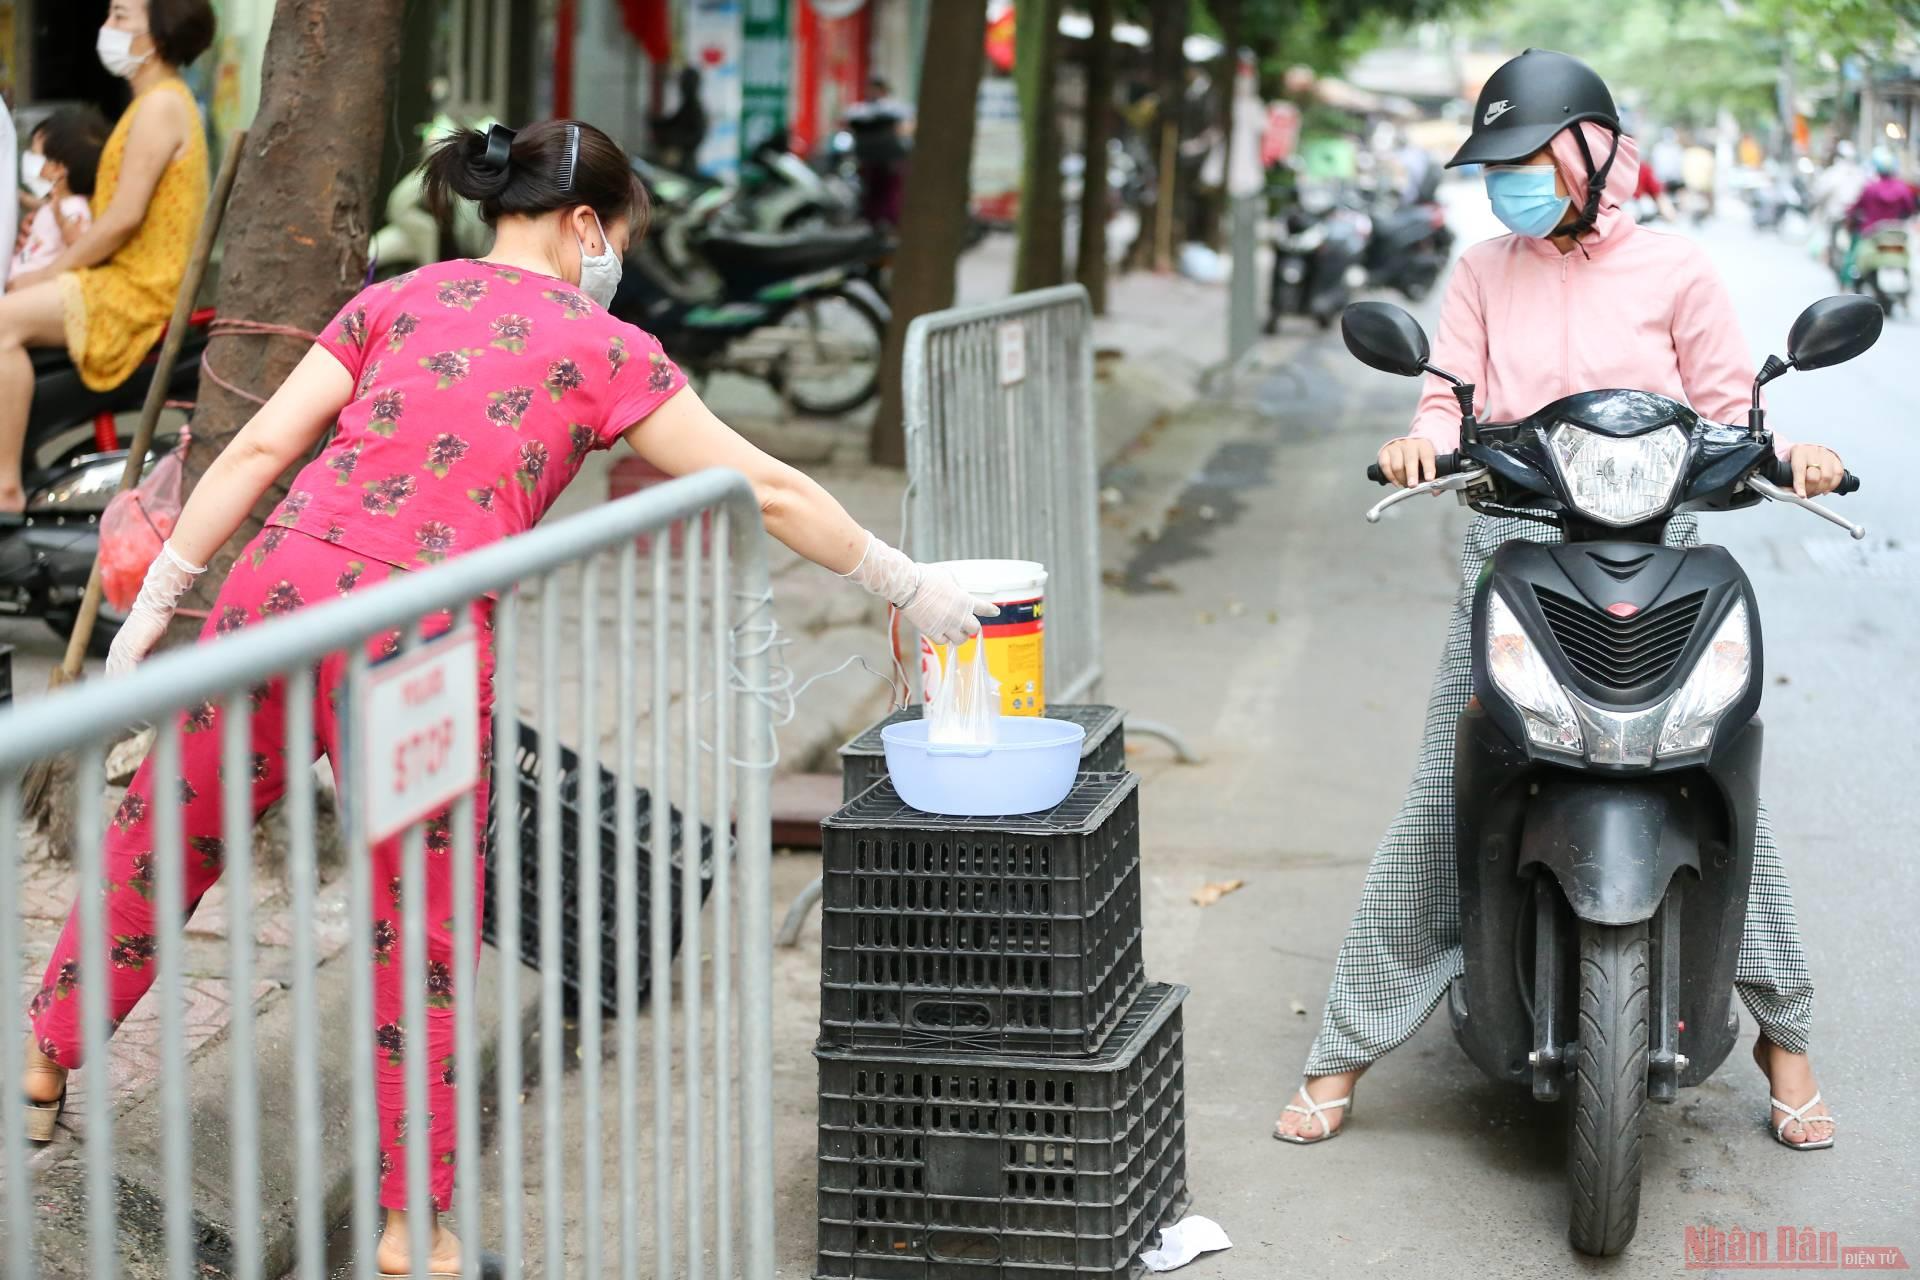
{"x":463,"y":398}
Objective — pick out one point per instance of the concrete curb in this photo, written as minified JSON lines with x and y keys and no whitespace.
{"x":139,"y":1147}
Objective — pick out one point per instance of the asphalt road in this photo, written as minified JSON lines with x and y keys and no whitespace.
{"x":1295,"y":644}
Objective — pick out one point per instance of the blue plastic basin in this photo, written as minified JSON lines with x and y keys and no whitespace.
{"x":1030,"y":769}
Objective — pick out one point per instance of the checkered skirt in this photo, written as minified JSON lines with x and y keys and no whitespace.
{"x":1403,"y":947}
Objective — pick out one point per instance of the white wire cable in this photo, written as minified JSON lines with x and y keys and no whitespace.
{"x":780,"y":694}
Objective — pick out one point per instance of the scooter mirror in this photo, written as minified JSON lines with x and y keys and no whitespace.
{"x":1382,"y":336}
{"x":1833,"y":331}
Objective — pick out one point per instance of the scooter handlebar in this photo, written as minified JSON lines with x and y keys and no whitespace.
{"x":1780,"y":472}
{"x":1444,"y":464}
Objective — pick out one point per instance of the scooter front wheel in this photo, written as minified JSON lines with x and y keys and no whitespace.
{"x":1609,"y":1079}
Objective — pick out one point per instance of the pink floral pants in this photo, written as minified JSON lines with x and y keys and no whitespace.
{"x":283,"y":571}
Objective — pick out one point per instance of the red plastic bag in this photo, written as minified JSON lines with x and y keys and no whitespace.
{"x":134,"y":525}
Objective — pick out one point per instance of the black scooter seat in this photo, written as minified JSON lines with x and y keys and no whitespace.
{"x":47,"y":360}
{"x":769,"y":256}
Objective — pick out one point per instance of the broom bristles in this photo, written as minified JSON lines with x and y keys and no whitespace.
{"x":46,"y":789}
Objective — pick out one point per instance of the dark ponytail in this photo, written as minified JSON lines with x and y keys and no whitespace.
{"x":555,"y":164}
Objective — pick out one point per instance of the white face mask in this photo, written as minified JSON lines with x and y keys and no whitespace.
{"x":31,"y":176}
{"x":115,"y":48}
{"x":599,"y":273}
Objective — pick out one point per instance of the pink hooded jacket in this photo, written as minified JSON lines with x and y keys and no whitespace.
{"x":1630,"y":307}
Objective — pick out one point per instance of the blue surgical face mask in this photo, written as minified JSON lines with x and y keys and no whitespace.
{"x":1524,"y":199}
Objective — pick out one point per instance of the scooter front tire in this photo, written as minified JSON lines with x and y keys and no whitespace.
{"x":1609,"y":1093}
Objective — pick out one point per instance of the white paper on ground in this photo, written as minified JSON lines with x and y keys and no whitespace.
{"x":1184,"y":1241}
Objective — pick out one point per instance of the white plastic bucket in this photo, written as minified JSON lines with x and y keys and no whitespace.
{"x":1016,"y":640}
{"x":1029,"y":770}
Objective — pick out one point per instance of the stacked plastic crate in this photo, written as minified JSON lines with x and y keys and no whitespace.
{"x":1001,"y":1090}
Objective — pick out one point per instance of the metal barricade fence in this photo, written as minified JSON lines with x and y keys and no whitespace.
{"x":1002,"y":463}
{"x":1001,"y":457}
{"x":697,"y":660}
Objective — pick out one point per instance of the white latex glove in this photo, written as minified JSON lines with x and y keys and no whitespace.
{"x":167,"y":580}
{"x":927,"y":596}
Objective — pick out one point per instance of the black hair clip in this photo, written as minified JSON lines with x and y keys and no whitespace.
{"x":499,"y":149}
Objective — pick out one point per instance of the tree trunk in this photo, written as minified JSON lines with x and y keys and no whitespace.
{"x":933,"y":220}
{"x":1228,"y":15}
{"x":1090,"y":263}
{"x":1159,"y":230}
{"x":1040,"y":259}
{"x":298,"y":225}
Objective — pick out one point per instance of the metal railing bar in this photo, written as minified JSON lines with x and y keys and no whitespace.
{"x":418,"y":1149}
{"x":723,"y":1011}
{"x":754,"y":824}
{"x":660,"y":924}
{"x":552,"y":973}
{"x":96,"y":972}
{"x":506,"y":907}
{"x":627,"y":920}
{"x":13,"y":1133}
{"x":690,"y":896}
{"x":590,"y":908}
{"x":236,"y":837}
{"x":365,"y":1122}
{"x":169,"y":892}
{"x":181,"y":677}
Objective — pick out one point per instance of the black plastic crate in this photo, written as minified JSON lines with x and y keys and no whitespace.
{"x":863,"y":761}
{"x":999,"y":935}
{"x":526,"y":791}
{"x":1004,"y":1167}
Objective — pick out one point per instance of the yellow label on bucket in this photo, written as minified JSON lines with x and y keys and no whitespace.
{"x":1016,"y":648}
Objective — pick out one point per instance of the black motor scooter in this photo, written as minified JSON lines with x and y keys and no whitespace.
{"x":1319,"y":251}
{"x":1605,"y":770}
{"x":73,"y":459}
{"x":803,"y":312}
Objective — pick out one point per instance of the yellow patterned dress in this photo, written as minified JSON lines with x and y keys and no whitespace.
{"x":115,"y":312}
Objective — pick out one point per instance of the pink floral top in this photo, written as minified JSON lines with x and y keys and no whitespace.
{"x":479,"y":391}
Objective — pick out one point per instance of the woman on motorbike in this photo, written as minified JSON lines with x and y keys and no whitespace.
{"x":462,"y":398}
{"x":1577,"y":298}
{"x":108,"y":295}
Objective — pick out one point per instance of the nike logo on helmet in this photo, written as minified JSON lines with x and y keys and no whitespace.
{"x":1495,"y":110}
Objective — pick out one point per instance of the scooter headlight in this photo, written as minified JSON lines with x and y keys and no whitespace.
{"x":1715,"y":682}
{"x":1619,"y":480}
{"x":1521,"y":673}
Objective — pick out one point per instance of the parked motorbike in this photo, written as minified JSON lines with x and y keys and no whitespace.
{"x":1606,"y":767}
{"x":1882,"y":267}
{"x":74,"y":457}
{"x":1409,"y":248}
{"x":1319,"y":254}
{"x":802,"y":312}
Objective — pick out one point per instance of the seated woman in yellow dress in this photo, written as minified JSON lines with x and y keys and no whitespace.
{"x":108,"y":296}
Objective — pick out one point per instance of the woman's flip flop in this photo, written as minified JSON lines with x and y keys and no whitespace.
{"x":1798,"y":1115}
{"x":1316,"y":1111}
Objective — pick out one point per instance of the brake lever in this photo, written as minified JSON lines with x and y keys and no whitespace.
{"x":1445,"y":484}
{"x":1768,"y":489}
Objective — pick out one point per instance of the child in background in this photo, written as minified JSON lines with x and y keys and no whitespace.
{"x":58,"y":169}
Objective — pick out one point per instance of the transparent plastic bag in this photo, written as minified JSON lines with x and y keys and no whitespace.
{"x":134,"y":525}
{"x":963,"y":698}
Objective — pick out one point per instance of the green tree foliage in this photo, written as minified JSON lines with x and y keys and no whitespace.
{"x":1683,"y":61}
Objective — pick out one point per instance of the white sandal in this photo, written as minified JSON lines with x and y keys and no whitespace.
{"x":1316,"y":1111}
{"x":1798,"y":1115}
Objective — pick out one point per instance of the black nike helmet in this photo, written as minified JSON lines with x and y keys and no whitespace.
{"x":1530,"y":99}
